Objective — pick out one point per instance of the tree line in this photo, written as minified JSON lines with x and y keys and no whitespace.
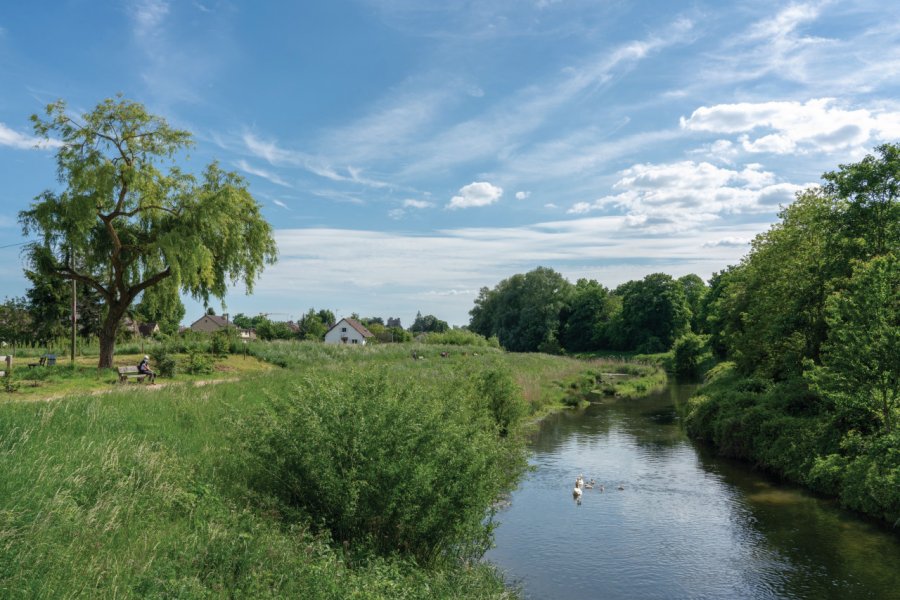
{"x":807,"y":327}
{"x":541,"y":311}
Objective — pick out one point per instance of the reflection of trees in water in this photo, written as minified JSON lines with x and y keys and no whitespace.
{"x":831,"y":552}
{"x":652,"y":421}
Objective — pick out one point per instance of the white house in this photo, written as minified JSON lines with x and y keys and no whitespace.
{"x":348,"y":331}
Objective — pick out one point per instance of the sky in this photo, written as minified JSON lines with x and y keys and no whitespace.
{"x":408,"y":153}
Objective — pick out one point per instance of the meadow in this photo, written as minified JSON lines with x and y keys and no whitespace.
{"x":320,"y":472}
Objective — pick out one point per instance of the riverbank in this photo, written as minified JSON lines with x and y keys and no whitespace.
{"x":790,"y":431}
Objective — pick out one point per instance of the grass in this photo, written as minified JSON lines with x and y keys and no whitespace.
{"x":147,"y":491}
{"x":65,"y":379}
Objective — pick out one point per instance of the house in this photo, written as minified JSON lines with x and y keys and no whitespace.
{"x":348,"y":331}
{"x":211,"y":323}
{"x":148,"y":329}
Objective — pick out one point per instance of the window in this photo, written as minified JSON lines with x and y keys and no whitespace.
{"x":354,"y":341}
{"x":343,"y":330}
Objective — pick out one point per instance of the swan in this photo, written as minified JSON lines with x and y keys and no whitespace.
{"x":621,"y":487}
{"x":579,"y":481}
{"x":576,"y":492}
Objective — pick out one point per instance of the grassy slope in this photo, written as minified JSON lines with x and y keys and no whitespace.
{"x":132,"y":493}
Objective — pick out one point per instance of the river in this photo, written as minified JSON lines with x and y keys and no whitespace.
{"x":684,"y":525}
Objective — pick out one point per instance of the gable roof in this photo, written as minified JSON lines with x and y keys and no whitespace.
{"x":220,"y":321}
{"x":355,"y":325}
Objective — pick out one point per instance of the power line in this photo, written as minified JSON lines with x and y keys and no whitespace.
{"x":11,"y":245}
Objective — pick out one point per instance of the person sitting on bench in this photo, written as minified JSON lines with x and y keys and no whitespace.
{"x":144,"y":368}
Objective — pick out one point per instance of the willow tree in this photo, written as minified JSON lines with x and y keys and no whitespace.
{"x":127,"y":218}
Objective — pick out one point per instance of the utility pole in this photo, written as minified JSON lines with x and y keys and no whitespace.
{"x":74,"y":309}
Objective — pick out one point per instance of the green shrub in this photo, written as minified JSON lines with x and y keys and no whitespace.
{"x":166,"y":365}
{"x":503,"y":397}
{"x":688,"y":354}
{"x":220,"y":342}
{"x":395,"y":464}
{"x":197,"y":362}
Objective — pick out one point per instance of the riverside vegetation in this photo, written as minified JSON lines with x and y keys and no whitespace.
{"x":808,"y":325}
{"x":349,"y":472}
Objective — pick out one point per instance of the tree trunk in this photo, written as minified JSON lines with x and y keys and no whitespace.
{"x":108,"y":335}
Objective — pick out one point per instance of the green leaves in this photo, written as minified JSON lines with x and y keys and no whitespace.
{"x":860,"y":360}
{"x":134,"y":219}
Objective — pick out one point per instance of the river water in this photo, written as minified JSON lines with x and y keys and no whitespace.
{"x":685,"y":525}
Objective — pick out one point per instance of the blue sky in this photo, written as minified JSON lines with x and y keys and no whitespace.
{"x":409,"y":153}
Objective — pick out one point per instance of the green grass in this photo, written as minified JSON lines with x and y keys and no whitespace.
{"x":169,"y":491}
{"x":64,"y":379}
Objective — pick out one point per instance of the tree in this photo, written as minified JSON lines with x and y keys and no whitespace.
{"x":311,"y":326}
{"x":871,"y":220}
{"x":654,"y":312}
{"x":427,"y":324}
{"x":583,"y":320}
{"x":132,"y":223}
{"x":860,"y":360}
{"x":15,"y":322}
{"x":522,"y":311}
{"x":694,"y":291}
{"x":161,"y":304}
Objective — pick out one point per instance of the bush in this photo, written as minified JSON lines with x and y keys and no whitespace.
{"x":197,"y":362}
{"x":396,"y":466}
{"x":221,"y":341}
{"x":460,"y":337}
{"x":688,"y":354}
{"x":166,"y":365}
{"x":504,"y":399}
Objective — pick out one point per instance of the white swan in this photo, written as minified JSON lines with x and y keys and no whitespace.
{"x":576,"y":492}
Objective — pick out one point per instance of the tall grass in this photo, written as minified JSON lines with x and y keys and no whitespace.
{"x":139,"y":494}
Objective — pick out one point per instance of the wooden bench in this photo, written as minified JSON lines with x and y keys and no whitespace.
{"x":126,"y":373}
{"x":5,"y":365}
{"x":47,"y":360}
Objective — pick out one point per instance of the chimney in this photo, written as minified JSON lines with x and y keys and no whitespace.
{"x":226,"y":317}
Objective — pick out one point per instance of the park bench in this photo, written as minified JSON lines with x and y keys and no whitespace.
{"x":47,"y":360}
{"x":126,"y":373}
{"x":5,"y":365}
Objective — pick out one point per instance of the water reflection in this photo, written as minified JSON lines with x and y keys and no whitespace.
{"x":685,"y":524}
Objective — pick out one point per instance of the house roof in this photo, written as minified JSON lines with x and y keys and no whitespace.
{"x":355,"y":325}
{"x":220,"y":321}
{"x":148,"y":328}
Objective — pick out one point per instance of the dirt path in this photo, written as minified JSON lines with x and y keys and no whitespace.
{"x":117,"y":387}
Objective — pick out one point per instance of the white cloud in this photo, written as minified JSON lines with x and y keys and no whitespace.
{"x":149,"y":16}
{"x":522,"y":195}
{"x":787,"y":127}
{"x":785,"y":23}
{"x":280,"y":203}
{"x":550,"y":205}
{"x":276,"y":155}
{"x":381,"y":271}
{"x":680,"y":196}
{"x":243,"y":165}
{"x":420,"y":204}
{"x":396,"y":213}
{"x":478,"y":193}
{"x":727,"y":241}
{"x":14,"y":139}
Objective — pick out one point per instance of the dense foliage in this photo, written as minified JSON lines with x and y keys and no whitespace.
{"x":128,"y":219}
{"x":542,"y":311}
{"x":389,"y":463}
{"x":811,"y":320}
